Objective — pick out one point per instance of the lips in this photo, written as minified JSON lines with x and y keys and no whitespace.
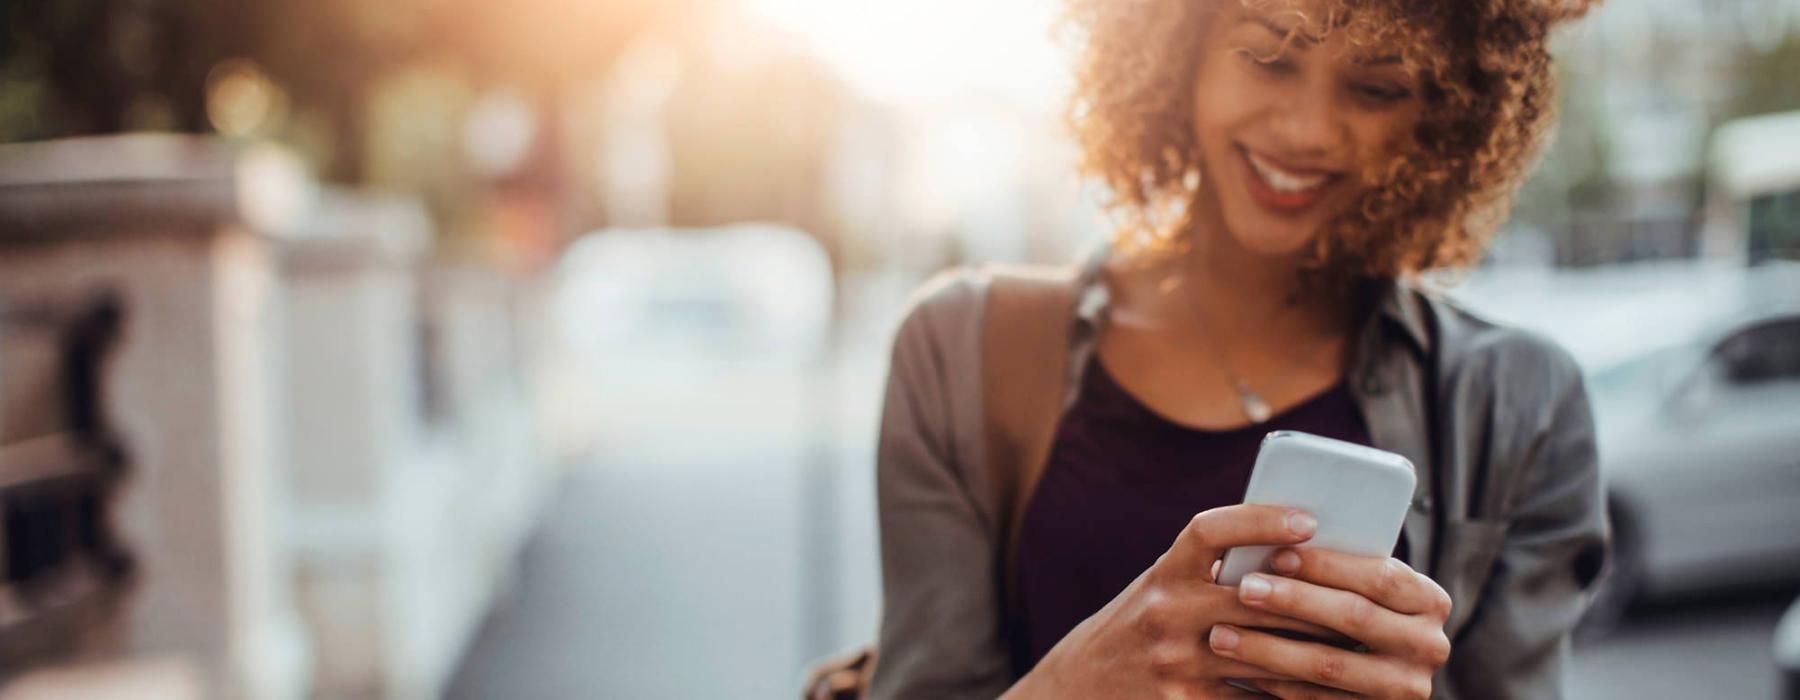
{"x":1284,"y":189}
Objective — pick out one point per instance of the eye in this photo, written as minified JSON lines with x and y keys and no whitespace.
{"x":1272,"y":62}
{"x":1380,"y":93}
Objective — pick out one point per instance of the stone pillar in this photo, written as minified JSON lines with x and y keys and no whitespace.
{"x":353,"y":366}
{"x":178,"y":228}
{"x":414,"y":473}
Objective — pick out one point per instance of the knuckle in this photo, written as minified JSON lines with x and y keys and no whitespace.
{"x":1419,"y":688}
{"x":1361,"y":614}
{"x":1156,"y":616}
{"x":1168,"y":659}
{"x":1437,"y":650}
{"x":1200,"y":528}
{"x":1326,"y":670}
{"x":1391,"y":580}
{"x":1181,"y":690}
{"x":1441,"y":603}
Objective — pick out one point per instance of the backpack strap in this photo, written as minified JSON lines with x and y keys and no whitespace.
{"x":1025,"y":348}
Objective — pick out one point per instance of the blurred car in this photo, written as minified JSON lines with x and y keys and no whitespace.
{"x":1787,"y":652}
{"x":1694,"y":374}
{"x":1701,"y":449}
{"x":673,"y":331}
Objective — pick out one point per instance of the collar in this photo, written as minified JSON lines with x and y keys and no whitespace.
{"x":1401,"y":304}
{"x":1395,"y":301}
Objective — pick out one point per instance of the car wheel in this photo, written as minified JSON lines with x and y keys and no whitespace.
{"x":1623,"y":579}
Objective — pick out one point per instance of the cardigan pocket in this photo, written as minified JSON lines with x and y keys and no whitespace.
{"x":1470,"y":548}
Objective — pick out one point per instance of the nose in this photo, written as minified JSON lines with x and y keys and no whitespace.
{"x":1307,"y":124}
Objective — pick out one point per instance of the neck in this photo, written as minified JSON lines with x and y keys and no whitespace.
{"x":1256,"y":297}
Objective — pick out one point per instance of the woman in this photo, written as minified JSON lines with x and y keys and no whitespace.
{"x":1286,"y":168}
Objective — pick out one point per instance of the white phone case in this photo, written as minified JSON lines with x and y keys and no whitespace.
{"x":1359,"y":495}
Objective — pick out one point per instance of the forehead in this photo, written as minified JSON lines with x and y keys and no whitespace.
{"x":1370,"y":26}
{"x":1310,"y":16}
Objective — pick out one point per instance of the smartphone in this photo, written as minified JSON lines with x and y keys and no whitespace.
{"x":1358,"y":493}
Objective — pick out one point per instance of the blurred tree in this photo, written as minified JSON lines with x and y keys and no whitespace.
{"x":329,"y":55}
{"x":77,"y":67}
{"x":752,"y":124}
{"x":1766,"y":79}
{"x":105,"y":66}
{"x":380,"y":93}
{"x":102,"y":66}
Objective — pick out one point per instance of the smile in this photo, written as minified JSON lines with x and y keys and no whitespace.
{"x":1284,"y":189}
{"x":1283,"y":180}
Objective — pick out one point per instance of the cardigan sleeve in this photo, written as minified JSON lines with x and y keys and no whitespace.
{"x":941,"y":610}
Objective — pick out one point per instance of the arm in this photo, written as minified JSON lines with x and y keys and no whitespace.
{"x":1517,"y":643}
{"x":940,"y":619}
{"x":940,"y":629}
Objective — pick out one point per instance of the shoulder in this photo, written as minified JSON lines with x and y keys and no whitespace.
{"x":954,"y":302}
{"x":1473,"y":348}
{"x":1511,"y":399}
{"x":948,"y":297}
{"x":943,"y":311}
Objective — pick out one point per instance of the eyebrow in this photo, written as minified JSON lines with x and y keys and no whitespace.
{"x":1385,"y":60}
{"x":1283,"y":33}
{"x":1306,"y":41}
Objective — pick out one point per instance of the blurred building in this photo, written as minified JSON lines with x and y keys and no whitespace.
{"x":1644,"y":86}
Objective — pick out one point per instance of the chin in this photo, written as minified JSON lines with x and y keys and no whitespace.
{"x":1272,"y":236}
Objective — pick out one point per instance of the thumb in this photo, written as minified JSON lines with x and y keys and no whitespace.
{"x":1207,"y":535}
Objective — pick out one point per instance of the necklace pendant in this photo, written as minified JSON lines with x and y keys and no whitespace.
{"x":1255,"y":407}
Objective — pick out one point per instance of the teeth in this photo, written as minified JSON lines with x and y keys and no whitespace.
{"x":1283,"y":181}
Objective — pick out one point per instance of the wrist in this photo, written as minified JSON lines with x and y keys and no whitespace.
{"x":1045,"y":681}
{"x":1031,"y":687}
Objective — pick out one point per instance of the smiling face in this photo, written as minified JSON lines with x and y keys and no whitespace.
{"x":1287,"y":123}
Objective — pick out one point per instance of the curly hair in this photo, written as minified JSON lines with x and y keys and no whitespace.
{"x":1488,"y":102}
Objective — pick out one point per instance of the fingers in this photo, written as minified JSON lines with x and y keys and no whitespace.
{"x":1186,"y":657}
{"x":1296,"y":690}
{"x":1175,"y":628}
{"x":1263,"y":619}
{"x":1386,"y":581}
{"x":1194,"y":669}
{"x":1209,"y":534}
{"x":1412,"y":637}
{"x":1186,"y":612}
{"x":1361,"y":674}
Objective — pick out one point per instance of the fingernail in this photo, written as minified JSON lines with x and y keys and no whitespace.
{"x":1286,"y":561}
{"x":1223,"y":638}
{"x":1254,"y":587}
{"x":1302,"y":524}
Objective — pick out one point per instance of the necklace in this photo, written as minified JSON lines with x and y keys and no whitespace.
{"x":1255,"y":407}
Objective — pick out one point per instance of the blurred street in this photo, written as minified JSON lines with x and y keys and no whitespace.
{"x":752,"y":542}
{"x":1715,"y":648}
{"x":653,"y":580}
{"x":591,"y":615}
{"x":680,"y":564}
{"x":448,"y":348}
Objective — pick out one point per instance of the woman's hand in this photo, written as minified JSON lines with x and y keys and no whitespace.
{"x":1398,"y":615}
{"x":1150,"y":641}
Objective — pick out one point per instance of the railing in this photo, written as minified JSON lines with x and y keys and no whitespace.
{"x":61,"y":565}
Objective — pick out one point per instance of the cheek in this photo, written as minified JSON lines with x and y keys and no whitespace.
{"x":1381,"y":137}
{"x":1221,"y":112}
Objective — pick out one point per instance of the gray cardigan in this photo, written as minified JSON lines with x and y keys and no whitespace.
{"x":1509,"y":517}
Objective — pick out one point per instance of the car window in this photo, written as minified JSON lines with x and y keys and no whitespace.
{"x":1766,"y":352}
{"x":1624,"y":391}
{"x":1638,"y":377}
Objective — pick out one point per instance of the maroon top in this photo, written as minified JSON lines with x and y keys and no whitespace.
{"x":1120,"y":483}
